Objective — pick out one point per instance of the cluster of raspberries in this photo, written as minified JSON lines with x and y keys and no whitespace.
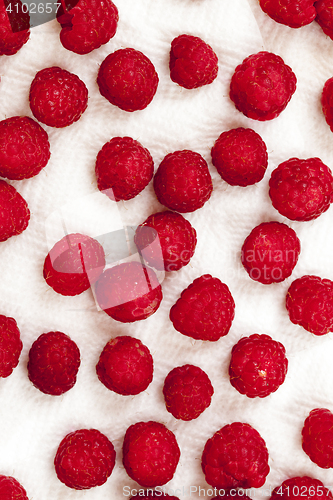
{"x":236,"y":455}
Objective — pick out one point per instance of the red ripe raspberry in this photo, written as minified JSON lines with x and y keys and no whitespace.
{"x":57,"y":98}
{"x":125,"y":366}
{"x":150,"y":453}
{"x":301,"y":189}
{"x":240,"y":156}
{"x":54,"y":361}
{"x":324,"y":11}
{"x":14,"y":212}
{"x":327,"y":102}
{"x":85,"y":458}
{"x":11,"y":489}
{"x":10,"y":346}
{"x":123,"y":168}
{"x":193,"y":63}
{"x":129,"y":292}
{"x":235,"y":457}
{"x":293,"y":13}
{"x":127,"y":78}
{"x":24,"y":148}
{"x":262,"y":86}
{"x":317,"y":437}
{"x":73,"y":264}
{"x":166,"y":240}
{"x":298,"y":488}
{"x":87,"y":25}
{"x":258,"y":365}
{"x":270,"y":252}
{"x":309,"y":302}
{"x":187,"y":392}
{"x":205,"y":309}
{"x":153,"y":494}
{"x":14,"y":27}
{"x":183,"y":182}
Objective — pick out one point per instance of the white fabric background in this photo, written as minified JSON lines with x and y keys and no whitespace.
{"x":32,"y":424}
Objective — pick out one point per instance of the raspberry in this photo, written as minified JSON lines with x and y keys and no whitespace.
{"x":87,"y":25}
{"x":123,"y":168}
{"x":85,"y":458}
{"x":240,"y":157}
{"x":127,"y":78}
{"x":11,"y":489}
{"x":317,"y":437}
{"x":324,"y":11}
{"x":57,"y":98}
{"x":258,"y":366}
{"x":205,"y":309}
{"x":73,"y":264}
{"x":309,"y":302}
{"x":54,"y":361}
{"x":125,"y":366}
{"x":301,"y":189}
{"x":327,"y":102}
{"x":14,"y":212}
{"x":14,"y":28}
{"x":187,"y":392}
{"x":10,"y":345}
{"x":270,"y":252}
{"x":234,"y":495}
{"x":235,"y":457}
{"x":129,"y":292}
{"x":153,"y":494}
{"x":292,"y":13}
{"x":150,"y":453}
{"x":166,"y":240}
{"x":193,"y":63}
{"x":24,"y":148}
{"x":262,"y":85}
{"x":183,"y":182}
{"x":300,"y":488}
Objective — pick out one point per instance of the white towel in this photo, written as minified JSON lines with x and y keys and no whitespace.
{"x":32,"y":424}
